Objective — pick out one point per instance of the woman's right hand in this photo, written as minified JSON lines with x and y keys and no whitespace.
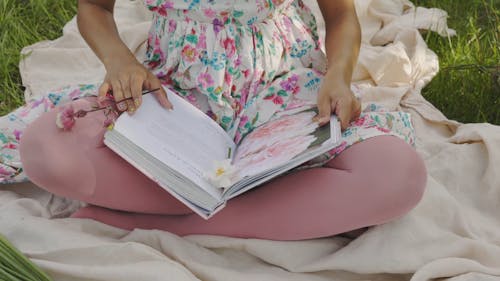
{"x":127,"y":79}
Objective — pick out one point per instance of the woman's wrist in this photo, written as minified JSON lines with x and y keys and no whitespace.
{"x":338,"y":76}
{"x":118,"y":59}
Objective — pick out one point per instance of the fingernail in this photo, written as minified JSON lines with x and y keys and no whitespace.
{"x":166,"y":105}
{"x":137,"y":102}
{"x":324,"y":120}
{"x":122,"y":106}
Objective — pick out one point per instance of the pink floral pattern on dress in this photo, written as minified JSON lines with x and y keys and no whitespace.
{"x":241,"y":62}
{"x":13,"y":124}
{"x":263,"y":55}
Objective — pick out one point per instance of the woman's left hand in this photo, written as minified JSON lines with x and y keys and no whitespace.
{"x":337,"y":98}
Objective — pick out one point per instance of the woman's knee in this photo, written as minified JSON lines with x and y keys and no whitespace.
{"x":401,"y":181}
{"x":390,"y":172}
{"x":73,"y":164}
{"x":53,"y":160}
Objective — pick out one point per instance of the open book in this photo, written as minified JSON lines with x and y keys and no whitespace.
{"x":194,"y":159}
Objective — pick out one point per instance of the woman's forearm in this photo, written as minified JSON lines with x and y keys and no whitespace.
{"x":343,"y":38}
{"x":98,"y":28}
{"x":125,"y":76}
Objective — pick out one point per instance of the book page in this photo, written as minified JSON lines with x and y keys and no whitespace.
{"x":185,"y":139}
{"x":279,"y":146}
{"x":278,"y":142}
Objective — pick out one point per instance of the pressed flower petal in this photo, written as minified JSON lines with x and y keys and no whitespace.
{"x":223,"y":174}
{"x":68,"y":122}
{"x":80,"y":113}
{"x":110,"y":127}
{"x":108,"y":124}
{"x":65,"y":118}
{"x":59,"y":123}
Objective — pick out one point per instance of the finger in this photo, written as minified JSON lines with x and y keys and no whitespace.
{"x":127,"y":94}
{"x":136,"y":89}
{"x":161,"y":95}
{"x":343,"y":112}
{"x":103,"y":90}
{"x":324,"y":111}
{"x":356,"y":112}
{"x":118,"y":95}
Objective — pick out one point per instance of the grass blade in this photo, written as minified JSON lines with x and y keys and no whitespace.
{"x":15,"y":265}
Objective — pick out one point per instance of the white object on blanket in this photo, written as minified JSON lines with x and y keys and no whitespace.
{"x":454,"y":232}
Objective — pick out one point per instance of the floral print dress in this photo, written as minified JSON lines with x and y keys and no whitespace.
{"x":239,"y":61}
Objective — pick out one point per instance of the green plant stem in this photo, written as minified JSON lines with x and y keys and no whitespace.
{"x":15,"y":266}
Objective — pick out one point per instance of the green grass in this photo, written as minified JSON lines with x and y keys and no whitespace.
{"x":467,"y":88}
{"x":22,"y":23}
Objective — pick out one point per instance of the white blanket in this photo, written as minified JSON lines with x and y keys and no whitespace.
{"x":453,"y":233}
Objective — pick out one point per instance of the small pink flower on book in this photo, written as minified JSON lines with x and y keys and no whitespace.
{"x":66,"y":117}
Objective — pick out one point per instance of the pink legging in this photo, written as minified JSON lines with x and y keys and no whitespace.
{"x":370,"y":183}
